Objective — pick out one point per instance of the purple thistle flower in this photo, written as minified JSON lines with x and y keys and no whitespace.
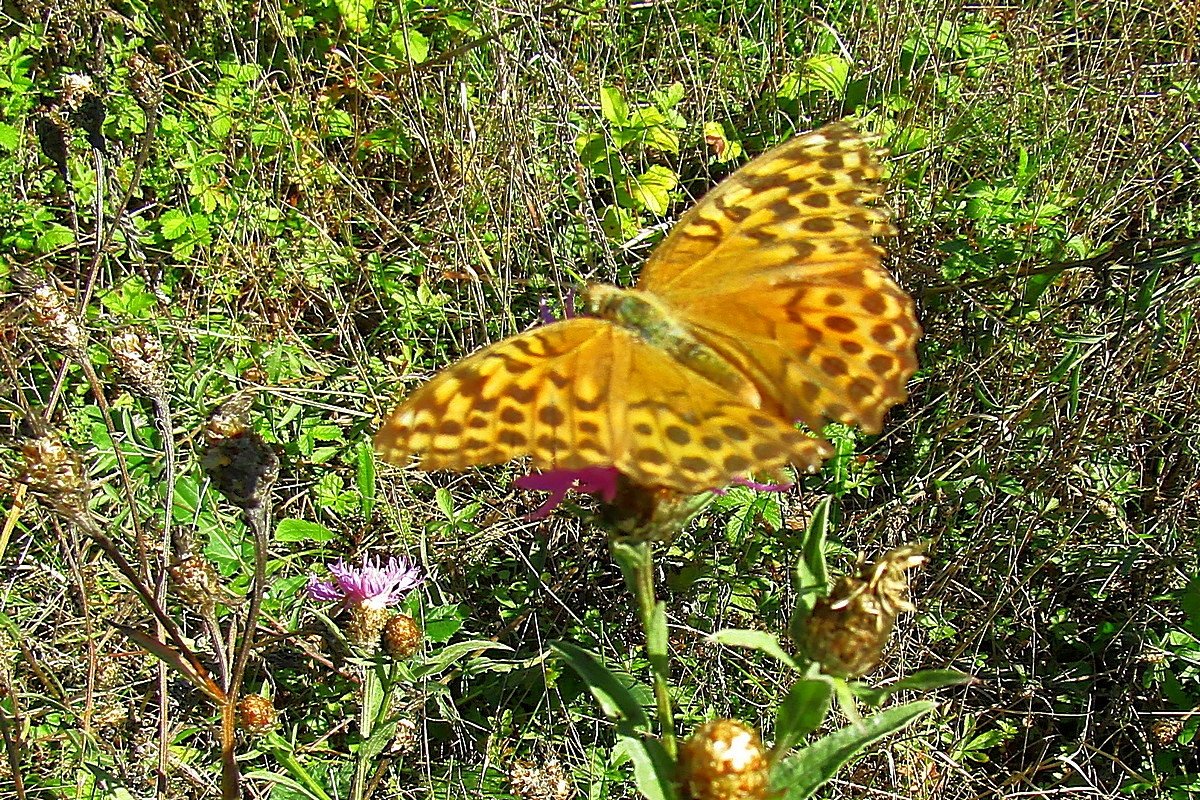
{"x":372,"y":585}
{"x":589,"y":480}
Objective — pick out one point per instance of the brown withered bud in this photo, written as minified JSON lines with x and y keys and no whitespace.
{"x":723,"y":760}
{"x":145,"y":82}
{"x":847,"y":631}
{"x":52,"y":314}
{"x":51,"y":130}
{"x":402,"y":636}
{"x":240,"y":463}
{"x":142,"y":363}
{"x":55,"y":475}
{"x":197,"y":583}
{"x":256,"y":714}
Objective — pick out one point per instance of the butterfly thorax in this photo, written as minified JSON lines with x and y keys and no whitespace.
{"x":651,"y":321}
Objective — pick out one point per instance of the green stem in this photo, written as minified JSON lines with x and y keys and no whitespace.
{"x":639,"y":576}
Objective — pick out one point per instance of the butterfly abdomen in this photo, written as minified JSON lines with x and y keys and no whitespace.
{"x":652,"y":322}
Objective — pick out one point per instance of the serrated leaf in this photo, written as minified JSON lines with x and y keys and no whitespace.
{"x":10,"y":137}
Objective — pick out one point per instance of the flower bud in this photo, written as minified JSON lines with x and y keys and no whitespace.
{"x":256,"y":714}
{"x":402,"y":636}
{"x":723,"y":760}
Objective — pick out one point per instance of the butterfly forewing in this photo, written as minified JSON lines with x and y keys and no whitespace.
{"x":777,"y":270}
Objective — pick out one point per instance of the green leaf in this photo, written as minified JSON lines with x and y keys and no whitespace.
{"x":670,"y":97}
{"x":812,"y":575}
{"x":762,"y":641}
{"x":10,"y":137}
{"x":826,"y":72}
{"x":54,"y":237}
{"x":653,"y":769}
{"x":652,"y":188}
{"x":299,"y":530}
{"x":801,"y":712}
{"x":355,"y":14}
{"x":613,"y":106}
{"x":614,"y":697}
{"x":445,"y":501}
{"x":413,"y":44}
{"x":924,"y":680}
{"x":365,"y":479}
{"x":799,"y":776}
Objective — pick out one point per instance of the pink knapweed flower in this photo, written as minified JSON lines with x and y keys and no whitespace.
{"x":372,"y":585}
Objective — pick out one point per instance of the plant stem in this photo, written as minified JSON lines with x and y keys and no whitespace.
{"x":639,"y":576}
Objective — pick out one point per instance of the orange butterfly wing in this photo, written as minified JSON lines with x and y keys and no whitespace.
{"x":776,"y":269}
{"x":588,"y":393}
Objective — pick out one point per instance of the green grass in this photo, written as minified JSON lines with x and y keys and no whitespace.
{"x":338,"y":200}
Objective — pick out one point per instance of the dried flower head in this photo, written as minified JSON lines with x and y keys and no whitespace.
{"x":75,"y":87}
{"x":367,"y":591}
{"x":846,"y":631}
{"x":145,"y":82}
{"x":402,"y":636}
{"x":52,"y":314}
{"x":723,"y":760}
{"x":544,"y":780}
{"x":55,"y":476}
{"x":197,"y":583}
{"x":256,"y":714}
{"x":142,"y":362}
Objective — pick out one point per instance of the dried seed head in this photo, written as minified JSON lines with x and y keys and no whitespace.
{"x":402,"y":636}
{"x":846,"y":631}
{"x":197,"y":583}
{"x":256,"y":714}
{"x":545,"y":780}
{"x":723,"y":760}
{"x":75,"y":88}
{"x":1165,"y":732}
{"x":51,"y":313}
{"x":240,"y":463}
{"x":142,"y":363}
{"x":145,"y":82}
{"x":55,"y":476}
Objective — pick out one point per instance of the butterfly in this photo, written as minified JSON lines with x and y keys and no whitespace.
{"x":766,"y":305}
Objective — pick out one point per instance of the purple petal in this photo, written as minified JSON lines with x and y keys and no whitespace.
{"x":545,"y":313}
{"x":322,"y":590}
{"x":589,"y":480}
